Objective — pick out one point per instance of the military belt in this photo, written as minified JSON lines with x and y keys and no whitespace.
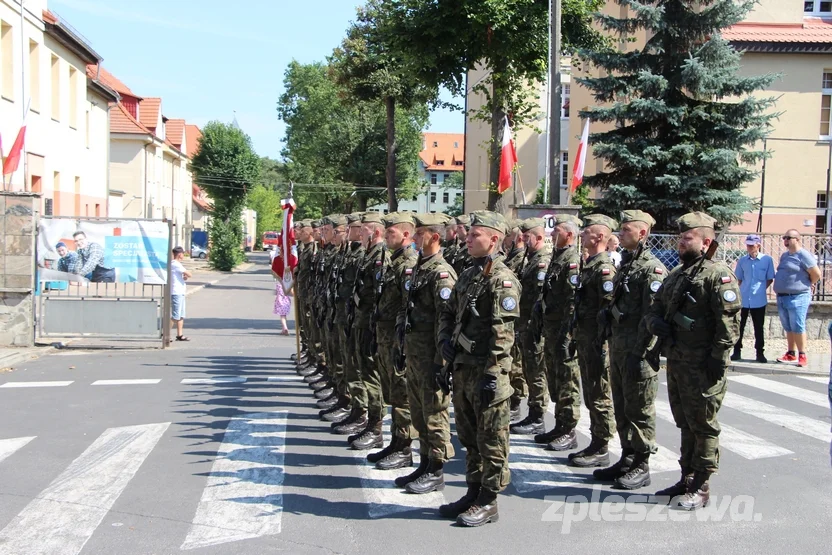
{"x":420,"y":327}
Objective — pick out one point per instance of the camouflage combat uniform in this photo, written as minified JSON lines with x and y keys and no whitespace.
{"x":515,"y":261}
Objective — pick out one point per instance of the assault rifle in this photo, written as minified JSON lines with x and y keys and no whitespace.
{"x":377,"y":298}
{"x":621,"y":286}
{"x":680,"y":296}
{"x":536,"y":319}
{"x":572,"y":347}
{"x":336,"y":275}
{"x":408,"y":306}
{"x":352,"y":302}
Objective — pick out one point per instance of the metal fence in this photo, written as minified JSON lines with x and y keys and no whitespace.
{"x":664,"y":246}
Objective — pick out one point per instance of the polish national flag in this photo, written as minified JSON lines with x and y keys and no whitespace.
{"x":13,"y":159}
{"x":580,"y":158}
{"x":508,"y":159}
{"x":287,"y":259}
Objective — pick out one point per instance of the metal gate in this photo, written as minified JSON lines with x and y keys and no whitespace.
{"x":89,"y":307}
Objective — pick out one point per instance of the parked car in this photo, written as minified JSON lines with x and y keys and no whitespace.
{"x":198,"y":252}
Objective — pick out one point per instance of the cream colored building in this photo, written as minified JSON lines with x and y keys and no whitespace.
{"x":43,"y":63}
{"x":530,"y":142}
{"x":794,"y":39}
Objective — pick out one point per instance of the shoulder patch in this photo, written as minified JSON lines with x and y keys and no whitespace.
{"x":729,"y":296}
{"x":574,"y":280}
{"x":443,"y":275}
{"x":507,"y":285}
{"x":655,"y":285}
{"x":541,"y":264}
{"x":378,"y":262}
{"x":658,"y":270}
{"x":407,"y":285}
{"x":608,"y":286}
{"x":726,"y":279}
{"x":541,"y":276}
{"x":573,"y":265}
{"x":408,"y":271}
{"x":445,"y":293}
{"x":509,"y":303}
{"x":605,"y":272}
{"x":378,"y":275}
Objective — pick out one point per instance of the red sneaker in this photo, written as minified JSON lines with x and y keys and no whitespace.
{"x":788,"y":357}
{"x":801,"y":360}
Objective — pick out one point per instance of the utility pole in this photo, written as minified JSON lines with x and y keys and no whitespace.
{"x":554,"y":103}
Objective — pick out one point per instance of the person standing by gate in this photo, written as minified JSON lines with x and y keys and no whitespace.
{"x":179,"y":275}
{"x":755,"y":273}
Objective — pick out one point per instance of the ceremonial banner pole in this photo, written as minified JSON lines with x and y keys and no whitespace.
{"x":297,"y":325}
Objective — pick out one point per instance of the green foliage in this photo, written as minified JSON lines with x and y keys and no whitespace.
{"x":686,"y":125}
{"x":581,"y":198}
{"x":266,"y":202}
{"x":225,"y":166}
{"x":454,"y":182}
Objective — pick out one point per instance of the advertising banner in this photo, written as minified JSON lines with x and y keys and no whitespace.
{"x":103,"y":251}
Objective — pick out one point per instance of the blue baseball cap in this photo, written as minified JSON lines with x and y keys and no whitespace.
{"x":753,"y":239}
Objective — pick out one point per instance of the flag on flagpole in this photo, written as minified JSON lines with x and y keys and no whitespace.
{"x":13,"y":159}
{"x":286,"y":261}
{"x":508,"y":159}
{"x":580,"y":158}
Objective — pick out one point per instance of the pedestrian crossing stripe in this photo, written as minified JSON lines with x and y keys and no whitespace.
{"x":8,"y":447}
{"x":784,"y":389}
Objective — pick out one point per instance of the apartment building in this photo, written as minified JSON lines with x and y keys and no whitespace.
{"x":43,"y":65}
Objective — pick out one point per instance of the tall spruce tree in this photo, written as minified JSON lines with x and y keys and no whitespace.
{"x":687,"y":127}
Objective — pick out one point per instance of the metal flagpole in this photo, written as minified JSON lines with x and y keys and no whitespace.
{"x":24,"y":104}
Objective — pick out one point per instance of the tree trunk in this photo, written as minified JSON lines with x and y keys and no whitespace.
{"x":392,"y":201}
{"x":498,"y":113}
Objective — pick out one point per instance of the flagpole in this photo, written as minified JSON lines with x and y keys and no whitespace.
{"x":25,"y":105}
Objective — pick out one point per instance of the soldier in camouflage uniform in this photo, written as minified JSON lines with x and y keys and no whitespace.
{"x":634,"y":384}
{"x":462,"y":259}
{"x":702,"y":300}
{"x":477,"y":334}
{"x":303,"y":281}
{"x":450,"y":238}
{"x":594,"y":293}
{"x":534,"y":369}
{"x":515,"y":259}
{"x":426,"y":293}
{"x":556,"y":310}
{"x":389,"y":280}
{"x":372,"y":235}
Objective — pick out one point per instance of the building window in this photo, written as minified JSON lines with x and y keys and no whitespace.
{"x":87,"y":128}
{"x":97,"y":210}
{"x":56,"y":88}
{"x":446,"y":176}
{"x":433,"y":179}
{"x":7,"y":52}
{"x":34,"y":76}
{"x":445,"y":197}
{"x":78,"y":196}
{"x":56,"y":186}
{"x":456,"y":144}
{"x":458,"y":162}
{"x":432,"y":197}
{"x":564,"y":169}
{"x":73,"y":98}
{"x":564,"y":99}
{"x":47,"y":207}
{"x":821,"y":200}
{"x":817,"y":7}
{"x":820,"y":224}
{"x":825,"y":103}
{"x":435,"y":144}
{"x":440,"y":162}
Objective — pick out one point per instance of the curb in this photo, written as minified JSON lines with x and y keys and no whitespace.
{"x":13,"y":359}
{"x":772,"y":368}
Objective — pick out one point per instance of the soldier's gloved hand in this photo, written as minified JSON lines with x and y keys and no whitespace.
{"x":603,"y":318}
{"x":537,"y":308}
{"x":441,"y":379}
{"x":488,"y":390}
{"x":448,"y":351}
{"x":660,"y":328}
{"x":715,"y":369}
{"x":633,"y":366}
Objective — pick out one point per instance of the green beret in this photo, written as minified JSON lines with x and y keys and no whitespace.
{"x":567,"y":219}
{"x":531,"y":223}
{"x":425,"y":220}
{"x":486,"y":218}
{"x":692,"y":220}
{"x":316,"y":224}
{"x":336,"y":220}
{"x":463,"y":220}
{"x":637,"y":216}
{"x":372,"y":218}
{"x":354,"y":218}
{"x":394,"y":218}
{"x":600,"y":219}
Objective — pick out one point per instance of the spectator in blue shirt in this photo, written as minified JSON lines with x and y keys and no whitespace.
{"x":794,"y":282}
{"x":755,"y":272}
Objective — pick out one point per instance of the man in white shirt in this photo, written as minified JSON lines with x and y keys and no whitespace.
{"x":612,"y":249}
{"x":179,"y":275}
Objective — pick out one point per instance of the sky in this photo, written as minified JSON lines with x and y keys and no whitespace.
{"x":208,"y":59}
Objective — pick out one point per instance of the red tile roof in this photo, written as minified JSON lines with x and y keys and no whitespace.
{"x":192,"y":135}
{"x":49,"y":17}
{"x":175,"y":132}
{"x":122,"y":122}
{"x":149,"y":109}
{"x":109,"y":80}
{"x":444,"y":151}
{"x":810,"y":31}
{"x":200,"y":197}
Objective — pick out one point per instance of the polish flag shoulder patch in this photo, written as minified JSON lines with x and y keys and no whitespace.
{"x":726,"y":279}
{"x":541,"y":264}
{"x":443,"y":275}
{"x":408,"y":271}
{"x":659,"y":270}
{"x":507,"y":284}
{"x":572,"y":266}
{"x":378,"y":262}
{"x":605,"y":272}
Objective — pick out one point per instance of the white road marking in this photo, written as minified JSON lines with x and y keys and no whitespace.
{"x":62,"y":517}
{"x":797,"y":393}
{"x":126,"y":382}
{"x":533,"y":468}
{"x":817,"y":379}
{"x":779,"y":416}
{"x":211,"y":381}
{"x":731,"y":439}
{"x":243,"y":498}
{"x":9,"y":446}
{"x":287,"y":378}
{"x":381,"y":493}
{"x":35,"y":384}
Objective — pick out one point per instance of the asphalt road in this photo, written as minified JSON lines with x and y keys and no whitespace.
{"x":214,"y":446}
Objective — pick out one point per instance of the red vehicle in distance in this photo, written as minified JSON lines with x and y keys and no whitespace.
{"x":270,"y":240}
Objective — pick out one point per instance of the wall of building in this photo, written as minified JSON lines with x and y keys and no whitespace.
{"x":18,"y":213}
{"x":127,"y":161}
{"x":777,"y":11}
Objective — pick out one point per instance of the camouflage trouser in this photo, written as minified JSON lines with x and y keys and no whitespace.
{"x":335,"y":358}
{"x":562,"y":377}
{"x":483,"y":431}
{"x":534,"y":370}
{"x":695,"y":403}
{"x":393,"y":382}
{"x":428,"y":404}
{"x":515,"y":376}
{"x":595,"y":382}
{"x":352,"y":372}
{"x":368,"y":370}
{"x":635,"y":403}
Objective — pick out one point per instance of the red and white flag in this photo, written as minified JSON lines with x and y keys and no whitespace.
{"x":287,"y":260}
{"x":508,"y":159}
{"x":580,"y":158}
{"x":13,"y":159}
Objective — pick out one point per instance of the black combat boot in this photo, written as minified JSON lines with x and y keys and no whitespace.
{"x":514,"y":408}
{"x":311,"y":369}
{"x":378,"y":455}
{"x":400,"y":457}
{"x":698,"y":494}
{"x":370,"y":438}
{"x":324,"y":393}
{"x":638,"y":476}
{"x":565,"y":442}
{"x":329,"y":402}
{"x":314,"y":376}
{"x":323,"y":383}
{"x":453,"y":510}
{"x":483,"y":511}
{"x":402,"y":481}
{"x":349,"y":427}
{"x":551,"y":435}
{"x":340,"y":403}
{"x":433,"y":479}
{"x":594,"y":454}
{"x":617,"y":470}
{"x":532,"y":424}
{"x":679,"y":488}
{"x":337,"y":415}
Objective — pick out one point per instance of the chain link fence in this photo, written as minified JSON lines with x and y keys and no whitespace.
{"x":664,"y":247}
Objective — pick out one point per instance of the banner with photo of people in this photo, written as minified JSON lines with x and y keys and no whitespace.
{"x":97,"y":251}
